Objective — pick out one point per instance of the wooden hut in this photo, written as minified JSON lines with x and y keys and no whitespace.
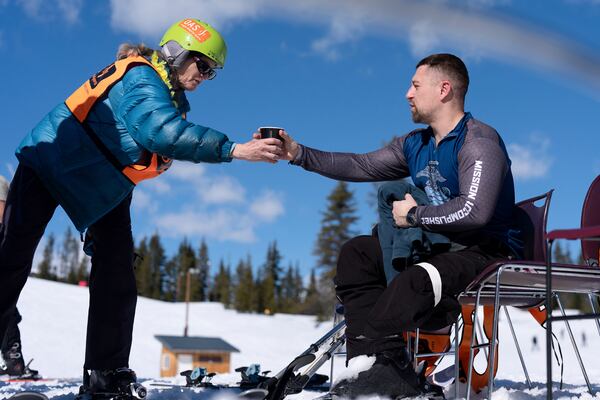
{"x":180,"y":353}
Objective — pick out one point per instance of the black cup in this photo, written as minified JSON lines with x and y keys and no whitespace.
{"x":270,"y":132}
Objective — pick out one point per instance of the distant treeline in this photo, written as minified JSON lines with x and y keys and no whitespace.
{"x":269,"y":287}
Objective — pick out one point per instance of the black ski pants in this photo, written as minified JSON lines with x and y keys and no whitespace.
{"x":112,"y":286}
{"x":12,"y":335}
{"x":377,"y":313}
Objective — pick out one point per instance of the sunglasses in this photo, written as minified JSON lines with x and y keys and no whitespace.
{"x":205,"y":69}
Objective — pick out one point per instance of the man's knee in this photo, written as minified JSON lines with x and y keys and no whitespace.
{"x":357,"y":256}
{"x":404,"y":305}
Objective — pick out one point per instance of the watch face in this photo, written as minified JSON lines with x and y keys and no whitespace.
{"x":410,"y":217}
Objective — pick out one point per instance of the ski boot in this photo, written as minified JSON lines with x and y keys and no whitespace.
{"x":251,"y":376}
{"x":197,"y":377}
{"x":390,"y":374}
{"x":14,"y":365}
{"x":117,"y":384}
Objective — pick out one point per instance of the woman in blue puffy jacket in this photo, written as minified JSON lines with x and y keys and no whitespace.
{"x":125,"y":124}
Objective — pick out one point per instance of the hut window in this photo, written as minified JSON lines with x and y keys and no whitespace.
{"x":166,"y":361}
{"x":210,"y":358}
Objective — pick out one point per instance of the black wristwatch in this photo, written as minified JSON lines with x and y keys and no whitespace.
{"x":411,"y":218}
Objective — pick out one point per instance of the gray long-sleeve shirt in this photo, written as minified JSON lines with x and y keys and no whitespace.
{"x":466,"y":176}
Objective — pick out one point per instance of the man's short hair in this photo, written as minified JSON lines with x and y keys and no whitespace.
{"x":451,"y":65}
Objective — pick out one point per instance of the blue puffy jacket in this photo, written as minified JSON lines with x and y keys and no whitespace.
{"x":138,"y":113}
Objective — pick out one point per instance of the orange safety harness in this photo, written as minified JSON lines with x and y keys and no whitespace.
{"x":150,"y":165}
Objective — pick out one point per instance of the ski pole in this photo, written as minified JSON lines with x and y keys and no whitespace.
{"x":316,"y":345}
{"x":300,"y":382}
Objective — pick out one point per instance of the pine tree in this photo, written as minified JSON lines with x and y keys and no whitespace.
{"x":45,"y":267}
{"x":312,"y":301}
{"x":561,"y":256}
{"x":267,"y":301}
{"x":569,"y":300}
{"x":83,"y":271}
{"x":170,"y":280}
{"x":335,"y":228}
{"x":335,"y":231}
{"x":174,"y":273}
{"x":185,"y":263}
{"x":143,"y":275}
{"x":245,"y":287}
{"x":290,"y":292}
{"x":221,"y":290}
{"x":203,"y":275}
{"x":69,"y":258}
{"x":298,"y":287}
{"x":270,"y":283}
{"x":156,"y":259}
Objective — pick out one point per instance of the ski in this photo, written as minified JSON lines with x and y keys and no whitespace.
{"x":253,"y":394}
{"x":249,"y":394}
{"x":28,"y":395}
{"x":24,"y":380}
{"x":276,"y":386}
{"x":134,"y":391}
{"x":287,"y":382}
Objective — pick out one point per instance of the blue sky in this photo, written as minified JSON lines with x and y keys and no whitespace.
{"x":334,"y":73}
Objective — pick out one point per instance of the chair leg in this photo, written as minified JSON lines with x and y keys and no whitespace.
{"x":549,"y":320}
{"x":492,"y":357}
{"x":409,"y":344}
{"x":591,"y":297}
{"x":472,"y":345}
{"x":416,"y":347}
{"x":512,"y":330}
{"x":456,"y":358}
{"x":481,"y":337}
{"x":562,"y":311}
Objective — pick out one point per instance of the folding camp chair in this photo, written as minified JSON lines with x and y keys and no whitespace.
{"x":499,"y":284}
{"x":583,"y":279}
{"x":531,"y":219}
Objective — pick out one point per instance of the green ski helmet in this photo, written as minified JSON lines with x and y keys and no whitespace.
{"x":192,"y":35}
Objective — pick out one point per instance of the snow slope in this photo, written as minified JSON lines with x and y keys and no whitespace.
{"x":54,"y":322}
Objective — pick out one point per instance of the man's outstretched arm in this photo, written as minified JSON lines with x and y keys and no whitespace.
{"x":387,"y":163}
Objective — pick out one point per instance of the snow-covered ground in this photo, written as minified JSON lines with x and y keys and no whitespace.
{"x":55,"y":314}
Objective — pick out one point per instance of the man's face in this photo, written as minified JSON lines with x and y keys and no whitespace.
{"x":424,"y":94}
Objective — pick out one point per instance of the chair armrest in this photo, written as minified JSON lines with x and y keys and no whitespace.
{"x":572,"y":234}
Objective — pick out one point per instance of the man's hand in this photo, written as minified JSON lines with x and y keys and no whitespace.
{"x":268,"y":150}
{"x":291,"y":147}
{"x":400,"y":209}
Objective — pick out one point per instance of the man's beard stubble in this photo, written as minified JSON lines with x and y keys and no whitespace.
{"x":417,"y":118}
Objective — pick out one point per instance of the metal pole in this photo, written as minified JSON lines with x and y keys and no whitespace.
{"x":336,"y":319}
{"x":549,"y":321}
{"x":492,"y":354}
{"x":416,"y":346}
{"x":187,"y":302}
{"x":512,"y":331}
{"x":585,"y":376}
{"x":481,"y":337}
{"x":471,"y":347}
{"x":456,"y":357}
{"x":591,"y":297}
